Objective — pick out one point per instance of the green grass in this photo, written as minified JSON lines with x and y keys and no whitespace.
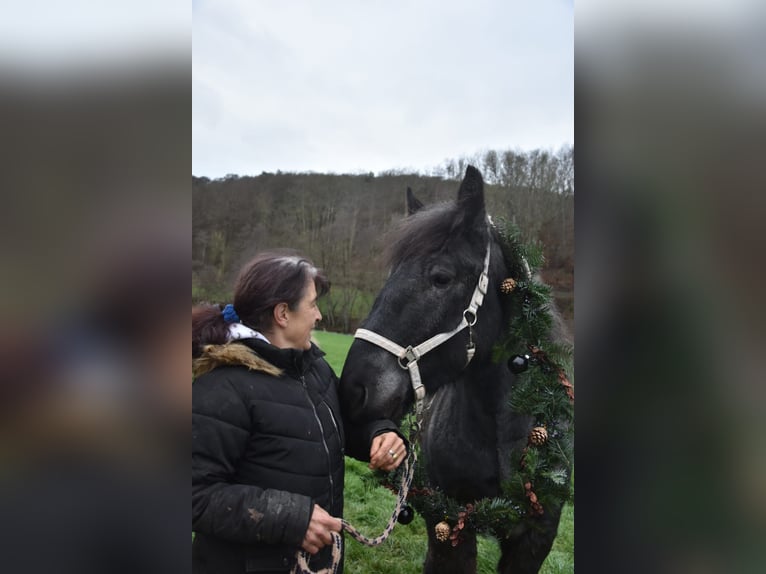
{"x":336,"y":346}
{"x":403,"y":553}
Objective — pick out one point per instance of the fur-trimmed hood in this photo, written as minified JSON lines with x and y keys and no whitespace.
{"x":231,"y":354}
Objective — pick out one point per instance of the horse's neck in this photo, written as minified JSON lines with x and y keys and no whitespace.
{"x":475,"y":399}
{"x":486,"y":385}
{"x":462,"y":435}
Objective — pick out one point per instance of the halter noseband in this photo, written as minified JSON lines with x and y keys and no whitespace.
{"x":408,"y":357}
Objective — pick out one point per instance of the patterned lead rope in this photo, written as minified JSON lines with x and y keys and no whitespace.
{"x":302,"y":562}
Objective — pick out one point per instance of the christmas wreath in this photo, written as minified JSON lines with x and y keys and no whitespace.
{"x":540,"y":472}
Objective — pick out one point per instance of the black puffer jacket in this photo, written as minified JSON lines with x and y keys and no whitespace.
{"x":267,"y":443}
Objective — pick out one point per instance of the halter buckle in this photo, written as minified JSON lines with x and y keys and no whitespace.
{"x":410,"y":356}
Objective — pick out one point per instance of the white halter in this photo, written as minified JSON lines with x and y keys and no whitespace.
{"x":408,"y":357}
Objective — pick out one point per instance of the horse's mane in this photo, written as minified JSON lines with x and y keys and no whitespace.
{"x":422,"y":233}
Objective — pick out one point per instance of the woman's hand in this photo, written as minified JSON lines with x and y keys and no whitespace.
{"x":387,"y":451}
{"x":318,"y":533}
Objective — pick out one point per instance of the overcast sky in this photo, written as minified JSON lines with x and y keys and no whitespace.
{"x":369,"y":85}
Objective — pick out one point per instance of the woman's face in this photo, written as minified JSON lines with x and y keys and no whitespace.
{"x":302,"y":320}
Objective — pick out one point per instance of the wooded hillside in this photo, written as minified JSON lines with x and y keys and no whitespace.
{"x":340,"y":221}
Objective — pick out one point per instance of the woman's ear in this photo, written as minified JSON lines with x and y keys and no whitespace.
{"x":280,"y":314}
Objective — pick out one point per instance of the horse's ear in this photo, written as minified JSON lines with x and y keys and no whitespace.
{"x":413,"y":203}
{"x":470,"y":198}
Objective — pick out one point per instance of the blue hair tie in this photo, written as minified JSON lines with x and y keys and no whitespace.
{"x":229,"y":314}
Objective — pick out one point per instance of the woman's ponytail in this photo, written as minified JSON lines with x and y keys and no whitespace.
{"x":208,"y":327}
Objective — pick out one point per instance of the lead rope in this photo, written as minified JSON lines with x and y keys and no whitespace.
{"x":302,"y":557}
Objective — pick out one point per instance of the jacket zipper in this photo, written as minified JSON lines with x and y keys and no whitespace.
{"x":324,"y":443}
{"x":337,"y":430}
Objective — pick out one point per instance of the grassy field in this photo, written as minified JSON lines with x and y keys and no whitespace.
{"x":403,"y":553}
{"x":336,"y":346}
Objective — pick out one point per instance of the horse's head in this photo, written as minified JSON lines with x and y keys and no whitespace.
{"x":435,"y":263}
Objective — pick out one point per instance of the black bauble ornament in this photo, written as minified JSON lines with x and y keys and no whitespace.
{"x":406,"y":515}
{"x":519,"y":364}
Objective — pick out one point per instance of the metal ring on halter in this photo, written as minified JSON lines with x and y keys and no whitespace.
{"x":472,"y":321}
{"x":409,"y":356}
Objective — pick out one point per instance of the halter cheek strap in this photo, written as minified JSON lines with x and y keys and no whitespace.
{"x":408,"y":357}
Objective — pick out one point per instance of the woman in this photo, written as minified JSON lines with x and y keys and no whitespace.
{"x":267,"y":436}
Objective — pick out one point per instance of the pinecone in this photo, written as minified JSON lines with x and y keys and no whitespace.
{"x":442,"y":531}
{"x":538,"y":436}
{"x":508,"y":285}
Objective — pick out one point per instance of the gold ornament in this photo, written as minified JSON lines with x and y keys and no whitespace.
{"x":508,"y":285}
{"x":442,"y":531}
{"x":538,"y":436}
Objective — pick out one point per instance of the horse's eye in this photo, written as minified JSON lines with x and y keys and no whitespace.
{"x":441,"y":279}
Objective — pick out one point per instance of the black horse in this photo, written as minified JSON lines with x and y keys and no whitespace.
{"x":469,"y":429}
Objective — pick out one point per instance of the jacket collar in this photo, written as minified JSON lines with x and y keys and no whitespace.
{"x":294,"y":361}
{"x":256,"y":355}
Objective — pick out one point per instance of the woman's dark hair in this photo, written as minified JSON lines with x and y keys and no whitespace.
{"x":267,"y":280}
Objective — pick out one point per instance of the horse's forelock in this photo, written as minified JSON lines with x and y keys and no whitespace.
{"x":422,"y":233}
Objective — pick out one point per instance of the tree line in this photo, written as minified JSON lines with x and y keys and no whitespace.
{"x":341,"y":221}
